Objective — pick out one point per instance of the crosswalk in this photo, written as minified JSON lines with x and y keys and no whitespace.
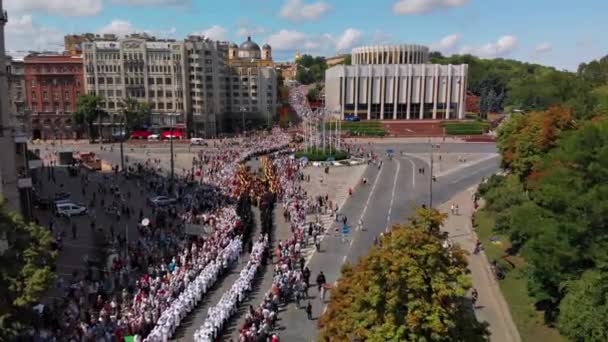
{"x":328,"y":222}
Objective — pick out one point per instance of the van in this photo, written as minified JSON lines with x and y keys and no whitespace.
{"x":197,"y":141}
{"x":69,"y":209}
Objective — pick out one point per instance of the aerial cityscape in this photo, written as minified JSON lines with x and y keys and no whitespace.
{"x":303,"y":170}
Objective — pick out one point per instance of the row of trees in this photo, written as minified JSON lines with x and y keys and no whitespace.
{"x":504,"y":84}
{"x":310,"y":69}
{"x":133,"y":113}
{"x":409,"y":288}
{"x":26,"y":272}
{"x":553,"y":204}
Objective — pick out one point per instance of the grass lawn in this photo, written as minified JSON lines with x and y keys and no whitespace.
{"x":529,"y":321}
{"x":318,"y":155}
{"x":362,"y":128}
{"x":465,"y":128}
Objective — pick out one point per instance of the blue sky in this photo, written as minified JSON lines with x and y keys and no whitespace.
{"x":559,"y":33}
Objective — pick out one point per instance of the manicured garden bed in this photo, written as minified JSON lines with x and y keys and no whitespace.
{"x":465,"y":128}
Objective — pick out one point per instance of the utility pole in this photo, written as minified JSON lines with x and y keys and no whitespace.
{"x":431,"y":181}
{"x":122,"y":138}
{"x":172,"y":161}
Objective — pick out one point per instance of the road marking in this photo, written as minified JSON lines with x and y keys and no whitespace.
{"x":342,"y":206}
{"x":413,"y":171}
{"x":390,"y":207}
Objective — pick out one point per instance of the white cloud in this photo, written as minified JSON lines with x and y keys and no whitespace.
{"x":543,"y":48}
{"x":23,"y":35}
{"x":408,"y":7}
{"x":447,"y":44}
{"x":154,"y":2}
{"x":250,"y":31}
{"x":119,"y":27}
{"x":72,"y":8}
{"x":286,"y":40}
{"x":215,"y":32}
{"x":348,"y":39}
{"x":298,"y":11}
{"x":502,"y":47}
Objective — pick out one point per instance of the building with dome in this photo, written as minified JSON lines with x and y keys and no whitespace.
{"x":396,"y":82}
{"x":249,"y":53}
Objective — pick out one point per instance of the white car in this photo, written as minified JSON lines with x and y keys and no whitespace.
{"x":153,"y":137}
{"x":198,"y":141}
{"x":161,"y":201}
{"x":69,"y":209}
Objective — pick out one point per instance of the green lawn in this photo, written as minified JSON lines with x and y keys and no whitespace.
{"x":529,"y":321}
{"x":362,"y":128}
{"x":318,"y":155}
{"x":465,"y":127}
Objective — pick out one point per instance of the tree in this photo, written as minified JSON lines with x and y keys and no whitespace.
{"x":135,"y":114}
{"x":313,"y":94}
{"x":584,"y":309}
{"x":87,"y":112}
{"x":409,"y":288}
{"x":25,"y":271}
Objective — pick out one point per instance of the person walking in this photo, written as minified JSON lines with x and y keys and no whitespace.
{"x":309,"y":311}
{"x":74,"y":231}
{"x":320,"y":281}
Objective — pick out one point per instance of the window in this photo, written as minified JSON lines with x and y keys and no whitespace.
{"x":45,"y":96}
{"x":110,"y":92}
{"x":161,"y":105}
{"x":66,"y":96}
{"x":33,"y":83}
{"x":110,"y":80}
{"x":33,"y":96}
{"x":151,"y":93}
{"x":169,"y":94}
{"x":118,"y":93}
{"x":168,"y":80}
{"x":118,"y":81}
{"x":150,"y":80}
{"x":101,"y":80}
{"x":169,"y":105}
{"x":111,"y":105}
{"x":159,"y":93}
{"x":78,"y":83}
{"x":159,"y":80}
{"x":77,"y":94}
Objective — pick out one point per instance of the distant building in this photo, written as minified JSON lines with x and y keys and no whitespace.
{"x":395,"y":83}
{"x":250,"y":54}
{"x":287,"y":70}
{"x":53,"y":84}
{"x":15,"y":182}
{"x":15,"y":71}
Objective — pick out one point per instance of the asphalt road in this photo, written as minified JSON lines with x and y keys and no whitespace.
{"x":389,"y":197}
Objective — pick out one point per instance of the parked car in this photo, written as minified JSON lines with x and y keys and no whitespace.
{"x":140,"y":135}
{"x":62,"y":196}
{"x":352,"y":118}
{"x":172,"y":135}
{"x":68,"y":209}
{"x":161,"y":201}
{"x":198,"y":141}
{"x":153,"y":137}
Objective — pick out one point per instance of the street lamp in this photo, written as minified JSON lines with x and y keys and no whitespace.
{"x":432,"y":179}
{"x":243,"y":109}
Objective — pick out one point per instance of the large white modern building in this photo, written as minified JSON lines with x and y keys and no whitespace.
{"x":396,"y":83}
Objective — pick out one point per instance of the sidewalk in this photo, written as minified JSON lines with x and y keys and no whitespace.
{"x":491,"y":305}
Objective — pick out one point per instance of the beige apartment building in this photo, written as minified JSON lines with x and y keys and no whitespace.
{"x":194,"y":83}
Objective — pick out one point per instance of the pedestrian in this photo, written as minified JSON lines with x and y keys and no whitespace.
{"x":74,"y":231}
{"x":456,"y":210}
{"x":306,"y":276}
{"x":309,"y":311}
{"x":474,"y":295}
{"x":318,"y":242}
{"x":320,"y":281}
{"x":452,"y":208}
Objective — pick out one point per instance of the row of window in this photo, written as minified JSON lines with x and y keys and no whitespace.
{"x":55,"y":82}
{"x":50,"y":68}
{"x":45,"y":96}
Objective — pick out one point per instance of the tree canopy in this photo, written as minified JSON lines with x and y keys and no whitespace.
{"x":408,"y":288}
{"x":88,"y":110}
{"x":135,"y":113}
{"x":25,"y":271}
{"x":510,"y":84}
{"x":553,"y":204}
{"x":310,"y":69}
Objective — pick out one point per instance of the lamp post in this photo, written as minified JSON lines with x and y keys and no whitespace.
{"x":242,"y":120}
{"x":432,"y":179}
{"x":171,"y":151}
{"x":122,"y":139}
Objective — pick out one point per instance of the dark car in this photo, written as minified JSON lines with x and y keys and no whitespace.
{"x":352,"y":118}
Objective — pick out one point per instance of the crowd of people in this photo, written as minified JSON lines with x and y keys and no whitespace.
{"x":164,"y":273}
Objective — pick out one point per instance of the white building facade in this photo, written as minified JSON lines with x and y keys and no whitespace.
{"x":379,"y":86}
{"x":150,"y":71}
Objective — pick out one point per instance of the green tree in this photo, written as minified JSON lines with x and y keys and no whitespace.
{"x":88,"y":110}
{"x":584,"y":309}
{"x":409,"y":288}
{"x":25,"y":271}
{"x":135,"y":114}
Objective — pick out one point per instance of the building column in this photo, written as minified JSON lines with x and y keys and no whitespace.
{"x":395,"y":92}
{"x":422,"y":92}
{"x":382,"y":92}
{"x":448,"y":93}
{"x":356,"y":90}
{"x":408,"y":91}
{"x":368,"y":95}
{"x":435,"y":91}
